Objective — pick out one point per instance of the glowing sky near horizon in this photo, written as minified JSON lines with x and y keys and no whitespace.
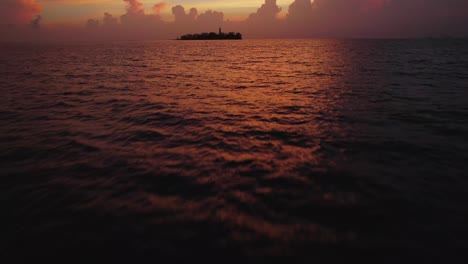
{"x":76,"y":11}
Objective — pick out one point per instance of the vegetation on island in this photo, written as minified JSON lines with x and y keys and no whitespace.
{"x":211,"y":36}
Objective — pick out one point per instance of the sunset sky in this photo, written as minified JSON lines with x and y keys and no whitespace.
{"x":76,"y":10}
{"x":149,"y":19}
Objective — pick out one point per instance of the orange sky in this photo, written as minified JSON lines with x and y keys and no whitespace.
{"x":75,"y":11}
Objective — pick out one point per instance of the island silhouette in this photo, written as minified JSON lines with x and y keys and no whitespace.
{"x":211,"y":36}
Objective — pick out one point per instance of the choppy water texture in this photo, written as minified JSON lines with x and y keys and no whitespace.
{"x":319,"y":149}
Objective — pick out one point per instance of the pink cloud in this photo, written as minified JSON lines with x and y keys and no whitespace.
{"x":157,"y":8}
{"x":134,"y":6}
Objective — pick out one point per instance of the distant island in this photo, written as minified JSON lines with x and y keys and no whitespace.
{"x":211,"y":36}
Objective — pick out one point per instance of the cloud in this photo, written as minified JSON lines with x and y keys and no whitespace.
{"x":157,"y":8}
{"x":267,"y":12}
{"x":375,"y":4}
{"x":36,"y":22}
{"x":181,"y":17}
{"x":375,"y":18}
{"x":304,"y":18}
{"x":264,"y":23}
{"x":134,"y":7}
{"x":18,"y":11}
{"x":300,"y":11}
{"x":109,"y":20}
{"x":135,"y":14}
{"x":210,"y":19}
{"x":92,"y":24}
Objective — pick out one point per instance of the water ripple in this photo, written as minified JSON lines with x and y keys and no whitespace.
{"x":259,"y":147}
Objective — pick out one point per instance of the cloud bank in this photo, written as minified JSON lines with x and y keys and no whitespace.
{"x":18,"y":11}
{"x":304,"y":18}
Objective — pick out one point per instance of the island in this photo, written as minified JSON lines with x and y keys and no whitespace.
{"x":211,"y":36}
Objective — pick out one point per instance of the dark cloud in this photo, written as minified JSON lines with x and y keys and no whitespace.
{"x":391,"y":18}
{"x":92,"y":24}
{"x":210,"y":19}
{"x":300,"y":11}
{"x":193,"y":21}
{"x":18,"y":11}
{"x":36,"y":22}
{"x":109,"y":20}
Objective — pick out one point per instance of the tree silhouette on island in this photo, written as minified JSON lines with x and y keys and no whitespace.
{"x":211,"y":36}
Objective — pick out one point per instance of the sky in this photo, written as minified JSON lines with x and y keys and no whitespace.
{"x":75,"y":10}
{"x":48,"y":20}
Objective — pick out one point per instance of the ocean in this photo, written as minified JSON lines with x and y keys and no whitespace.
{"x":322,"y":150}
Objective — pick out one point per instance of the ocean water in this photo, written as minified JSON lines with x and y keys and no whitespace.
{"x":312,"y":149}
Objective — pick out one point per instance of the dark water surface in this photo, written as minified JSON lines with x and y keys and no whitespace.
{"x":318,"y":149}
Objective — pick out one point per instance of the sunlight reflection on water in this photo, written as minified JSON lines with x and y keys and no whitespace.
{"x":257,"y":147}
